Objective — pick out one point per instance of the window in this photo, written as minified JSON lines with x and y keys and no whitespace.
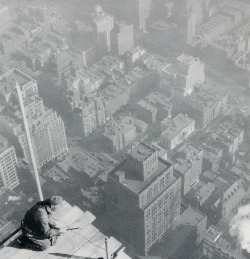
{"x":149,"y":195}
{"x":162,"y":183}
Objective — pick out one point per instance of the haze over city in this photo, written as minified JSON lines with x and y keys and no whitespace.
{"x":130,"y":120}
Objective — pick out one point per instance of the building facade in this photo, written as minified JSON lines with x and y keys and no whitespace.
{"x":143,"y":198}
{"x":188,"y":165}
{"x":122,"y":38}
{"x":8,"y":162}
{"x":46,"y":127}
{"x":103,"y":25}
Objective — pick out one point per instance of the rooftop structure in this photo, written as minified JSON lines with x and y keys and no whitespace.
{"x":81,"y":161}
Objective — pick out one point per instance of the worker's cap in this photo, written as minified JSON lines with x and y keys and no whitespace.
{"x":55,"y":200}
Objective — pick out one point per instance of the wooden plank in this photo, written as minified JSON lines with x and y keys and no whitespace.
{"x":83,"y":220}
{"x":114,"y":245}
{"x":71,"y":216}
{"x":87,"y":250}
{"x":16,"y":253}
{"x":89,"y":231}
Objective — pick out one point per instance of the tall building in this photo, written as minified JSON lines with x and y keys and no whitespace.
{"x":103,"y":25}
{"x":186,"y":73}
{"x":122,"y":38}
{"x":133,"y":11}
{"x":143,"y":198}
{"x":187,"y":25}
{"x":5,"y":18}
{"x":46,"y":127}
{"x":93,"y":114}
{"x":8,"y":160}
{"x":143,"y":12}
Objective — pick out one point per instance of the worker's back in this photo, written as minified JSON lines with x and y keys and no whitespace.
{"x":36,"y":220}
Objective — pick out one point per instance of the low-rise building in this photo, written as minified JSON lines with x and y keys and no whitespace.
{"x":133,"y":55}
{"x":186,"y":73}
{"x":187,"y":163}
{"x":11,"y":42}
{"x":219,"y":197}
{"x":119,"y":134}
{"x":217,"y":245}
{"x":114,"y":97}
{"x":154,"y":108}
{"x":174,"y":131}
{"x":203,"y":105}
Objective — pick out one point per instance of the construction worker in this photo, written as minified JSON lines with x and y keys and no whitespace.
{"x":38,"y":228}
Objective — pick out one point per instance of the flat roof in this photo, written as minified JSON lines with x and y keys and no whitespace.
{"x":191,"y":216}
{"x":132,"y":181}
{"x":141,"y":151}
{"x":176,"y":125}
{"x":4,"y":145}
{"x":212,"y":232}
{"x":6,"y":80}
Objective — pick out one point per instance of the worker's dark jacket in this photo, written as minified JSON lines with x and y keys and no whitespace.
{"x":38,"y":222}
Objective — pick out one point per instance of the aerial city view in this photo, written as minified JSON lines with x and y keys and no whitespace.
{"x":125,"y":129}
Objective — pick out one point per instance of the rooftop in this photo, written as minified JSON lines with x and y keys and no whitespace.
{"x":132,"y":182}
{"x":141,"y":151}
{"x":3,"y":144}
{"x":191,"y":217}
{"x":172,"y":127}
{"x":159,"y":100}
{"x":206,"y":96}
{"x":7,"y":79}
{"x":146,"y":105}
{"x":213,"y":233}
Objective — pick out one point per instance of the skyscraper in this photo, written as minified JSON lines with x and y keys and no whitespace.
{"x":103,"y":24}
{"x":46,"y":127}
{"x":8,"y":160}
{"x":133,"y":11}
{"x":143,"y":198}
{"x":122,"y":38}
